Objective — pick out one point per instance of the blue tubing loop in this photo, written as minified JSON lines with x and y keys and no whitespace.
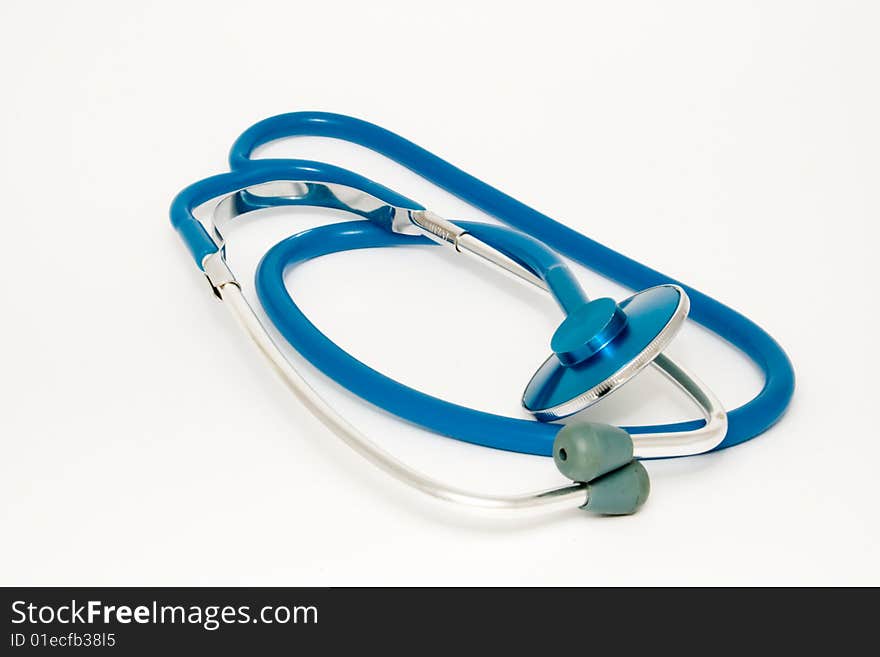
{"x":744,"y":423}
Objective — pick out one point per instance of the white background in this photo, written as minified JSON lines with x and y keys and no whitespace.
{"x":732,"y":145}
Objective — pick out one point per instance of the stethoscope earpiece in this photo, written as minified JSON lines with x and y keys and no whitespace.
{"x":601,"y":455}
{"x":587,"y":450}
{"x":619,"y":493}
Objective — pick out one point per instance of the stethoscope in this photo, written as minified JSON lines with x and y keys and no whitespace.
{"x":599,"y":346}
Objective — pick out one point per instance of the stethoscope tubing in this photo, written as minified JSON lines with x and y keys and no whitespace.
{"x":744,"y":423}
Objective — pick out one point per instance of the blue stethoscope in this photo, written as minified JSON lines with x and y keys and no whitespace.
{"x":600,"y":345}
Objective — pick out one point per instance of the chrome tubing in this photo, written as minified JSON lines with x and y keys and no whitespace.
{"x":230,"y":292}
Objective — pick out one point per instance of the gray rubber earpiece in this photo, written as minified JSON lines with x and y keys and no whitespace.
{"x":620,"y":492}
{"x":588,"y":450}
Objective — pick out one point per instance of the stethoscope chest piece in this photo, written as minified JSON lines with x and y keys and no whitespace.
{"x":601,"y":346}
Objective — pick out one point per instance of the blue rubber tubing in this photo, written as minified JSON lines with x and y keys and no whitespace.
{"x":744,"y":423}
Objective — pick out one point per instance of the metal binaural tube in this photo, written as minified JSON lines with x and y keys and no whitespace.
{"x":446,"y":232}
{"x":231,"y":293}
